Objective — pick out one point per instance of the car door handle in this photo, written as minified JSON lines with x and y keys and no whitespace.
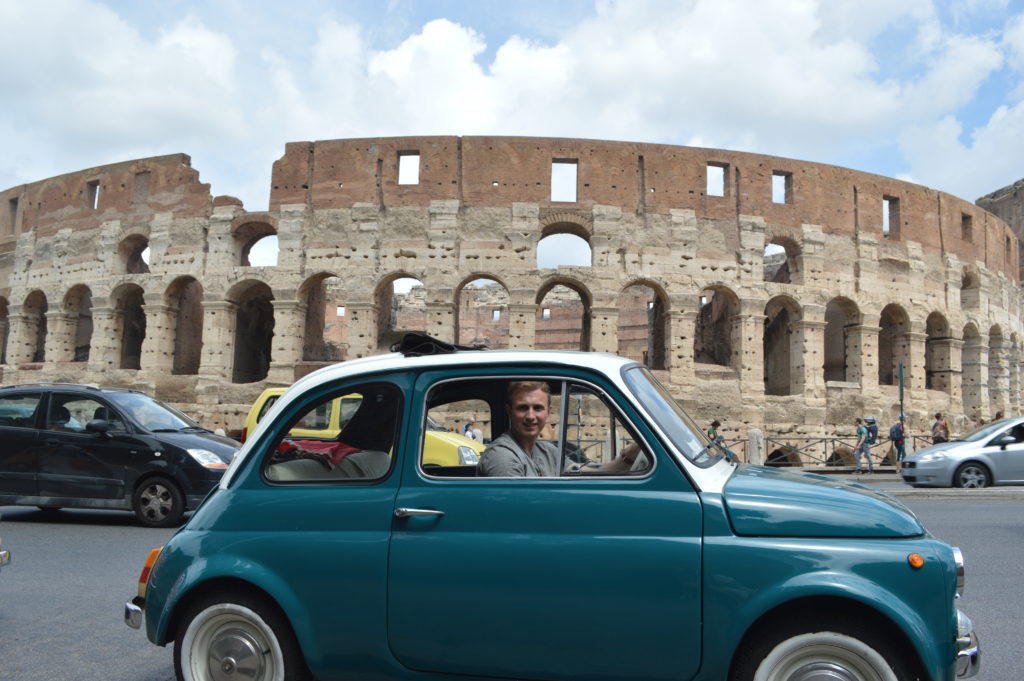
{"x":409,"y":512}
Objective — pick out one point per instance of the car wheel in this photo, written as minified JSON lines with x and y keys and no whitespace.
{"x":158,"y":502}
{"x":972,"y":475}
{"x":846,"y":651}
{"x":228,"y":636}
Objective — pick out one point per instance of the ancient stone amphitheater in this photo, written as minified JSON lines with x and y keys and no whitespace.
{"x":766,"y":292}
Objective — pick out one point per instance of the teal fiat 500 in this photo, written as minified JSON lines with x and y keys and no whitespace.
{"x":600,"y":537}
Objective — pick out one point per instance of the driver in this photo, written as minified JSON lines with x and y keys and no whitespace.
{"x":519,"y":453}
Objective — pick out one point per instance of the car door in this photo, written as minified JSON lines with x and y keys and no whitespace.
{"x":76,"y":462}
{"x":1008,"y":463}
{"x":585,"y":577}
{"x":19,"y":434}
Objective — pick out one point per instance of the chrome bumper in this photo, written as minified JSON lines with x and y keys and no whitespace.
{"x":133,"y":612}
{"x":968,"y":649}
{"x":5,"y":557}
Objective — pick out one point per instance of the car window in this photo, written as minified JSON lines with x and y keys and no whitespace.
{"x":71,"y":413}
{"x":454,"y":433}
{"x":361,"y":451}
{"x":581,"y":434}
{"x":19,"y":410}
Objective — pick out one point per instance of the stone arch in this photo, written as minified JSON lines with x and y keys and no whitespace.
{"x":643,"y":323}
{"x":248,"y":232}
{"x":974,"y":376}
{"x":970,"y":289}
{"x":131,"y":254}
{"x":782,"y":266}
{"x":318,"y":295}
{"x":842,"y":346}
{"x":998,"y":369}
{"x":566,"y":222}
{"x":938,"y":368}
{"x":399,"y":312}
{"x":5,"y":328}
{"x":184,"y":303}
{"x":129,"y":324}
{"x":33,"y":334}
{"x":254,"y":330}
{"x":563,"y":315}
{"x":778,"y":339}
{"x":893,"y":343}
{"x":717,"y":307}
{"x":78,"y":312}
{"x":481,"y":311}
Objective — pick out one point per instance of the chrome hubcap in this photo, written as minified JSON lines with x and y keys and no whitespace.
{"x":235,"y":654}
{"x":156,"y":502}
{"x":823,"y":671}
{"x":972,"y":477}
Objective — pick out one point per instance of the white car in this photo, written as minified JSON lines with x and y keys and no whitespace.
{"x":990,"y":455}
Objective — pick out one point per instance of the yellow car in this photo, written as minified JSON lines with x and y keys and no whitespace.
{"x":441,"y":447}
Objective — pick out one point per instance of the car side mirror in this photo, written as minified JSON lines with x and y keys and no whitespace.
{"x":100,"y":426}
{"x":1005,"y":440}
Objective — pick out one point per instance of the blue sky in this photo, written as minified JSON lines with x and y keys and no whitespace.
{"x":931,"y":92}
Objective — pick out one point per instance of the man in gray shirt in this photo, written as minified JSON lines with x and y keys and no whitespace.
{"x":519,"y":453}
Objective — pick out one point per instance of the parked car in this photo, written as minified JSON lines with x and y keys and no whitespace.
{"x":322,"y":425}
{"x":675,"y":563}
{"x":71,"y":445}
{"x":992,"y":454}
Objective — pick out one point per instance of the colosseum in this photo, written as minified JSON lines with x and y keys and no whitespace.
{"x":766,"y":292}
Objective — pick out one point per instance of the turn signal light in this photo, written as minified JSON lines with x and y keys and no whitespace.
{"x":146,"y":569}
{"x":916,"y":560}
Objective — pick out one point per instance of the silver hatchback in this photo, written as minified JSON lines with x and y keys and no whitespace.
{"x":990,"y":455}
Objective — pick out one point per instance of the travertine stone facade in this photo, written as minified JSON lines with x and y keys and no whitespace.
{"x":780,"y":294}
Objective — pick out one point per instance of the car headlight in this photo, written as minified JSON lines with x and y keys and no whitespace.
{"x":467,"y":456}
{"x":932,"y":456}
{"x":208,"y":459}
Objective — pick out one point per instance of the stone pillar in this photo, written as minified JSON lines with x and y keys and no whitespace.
{"x":751,"y":251}
{"x":862,"y":355}
{"x":106,"y":340}
{"x":158,"y":345}
{"x":4,"y":338}
{"x":679,"y":345}
{"x":909,"y":348}
{"x":998,"y":376}
{"x":219,"y":319}
{"x":604,"y":329}
{"x":747,"y":340}
{"x":362,"y":329}
{"x":807,"y":359}
{"x":522,"y":326}
{"x":60,"y":336}
{"x":22,"y":346}
{"x":286,"y":345}
{"x":441,"y":320}
{"x":945,"y":368}
{"x":974,"y":376}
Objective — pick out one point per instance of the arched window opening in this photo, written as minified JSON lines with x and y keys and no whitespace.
{"x":893,"y":345}
{"x":254,"y":330}
{"x":402,"y":308}
{"x":641,"y":330}
{"x":938,"y":370}
{"x":483,"y":314}
{"x":563,"y":249}
{"x":780,"y":313}
{"x":34,"y":310}
{"x":324,"y":336}
{"x":567,"y":324}
{"x":132,"y":319}
{"x":133,"y":252}
{"x":970,"y":290}
{"x":840,"y":345}
{"x":776,"y":264}
{"x":185,"y":299}
{"x":78,"y":308}
{"x":257,"y":244}
{"x":712,"y":341}
{"x":973,"y":359}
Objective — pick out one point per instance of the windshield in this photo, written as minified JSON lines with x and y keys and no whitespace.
{"x":670,"y":417}
{"x":151,"y":414}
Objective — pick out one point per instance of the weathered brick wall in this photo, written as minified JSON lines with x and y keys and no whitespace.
{"x":850,"y":289}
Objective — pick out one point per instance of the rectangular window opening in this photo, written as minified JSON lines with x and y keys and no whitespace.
{"x":340,"y":311}
{"x":496,"y":316}
{"x":545,"y":313}
{"x":408,"y":167}
{"x":563,"y":180}
{"x":140,"y":191}
{"x":716,"y":179}
{"x":966,"y":227}
{"x":782,"y":187}
{"x":92,"y":194}
{"x":890,"y":217}
{"x":12,"y":207}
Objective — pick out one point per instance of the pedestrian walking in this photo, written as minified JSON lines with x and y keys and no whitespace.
{"x":863,"y":448}
{"x":940,"y":430}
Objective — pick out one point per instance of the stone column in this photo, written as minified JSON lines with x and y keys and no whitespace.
{"x":974,"y":376}
{"x":60,"y":336}
{"x":909,"y":349}
{"x":747,"y":340}
{"x":604,"y":329}
{"x":946,"y":367}
{"x":218,"y":358}
{"x":106,"y":339}
{"x":22,"y":346}
{"x":862,"y":355}
{"x":4,"y":339}
{"x":679,"y":345}
{"x":158,"y":345}
{"x":998,"y":376}
{"x":286,"y":345}
{"x":441,"y":321}
{"x":806,"y":359}
{"x":522,"y":326}
{"x":362,"y":329}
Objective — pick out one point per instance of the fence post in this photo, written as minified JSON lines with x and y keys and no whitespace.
{"x":755,"y":447}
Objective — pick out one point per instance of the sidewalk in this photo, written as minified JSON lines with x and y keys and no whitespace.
{"x":890,"y":482}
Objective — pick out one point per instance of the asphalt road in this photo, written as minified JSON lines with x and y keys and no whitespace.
{"x":61,"y":597}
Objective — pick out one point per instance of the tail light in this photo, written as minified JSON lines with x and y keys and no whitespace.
{"x":146,"y":569}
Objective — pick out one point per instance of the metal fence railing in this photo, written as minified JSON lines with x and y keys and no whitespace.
{"x":812,"y":452}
